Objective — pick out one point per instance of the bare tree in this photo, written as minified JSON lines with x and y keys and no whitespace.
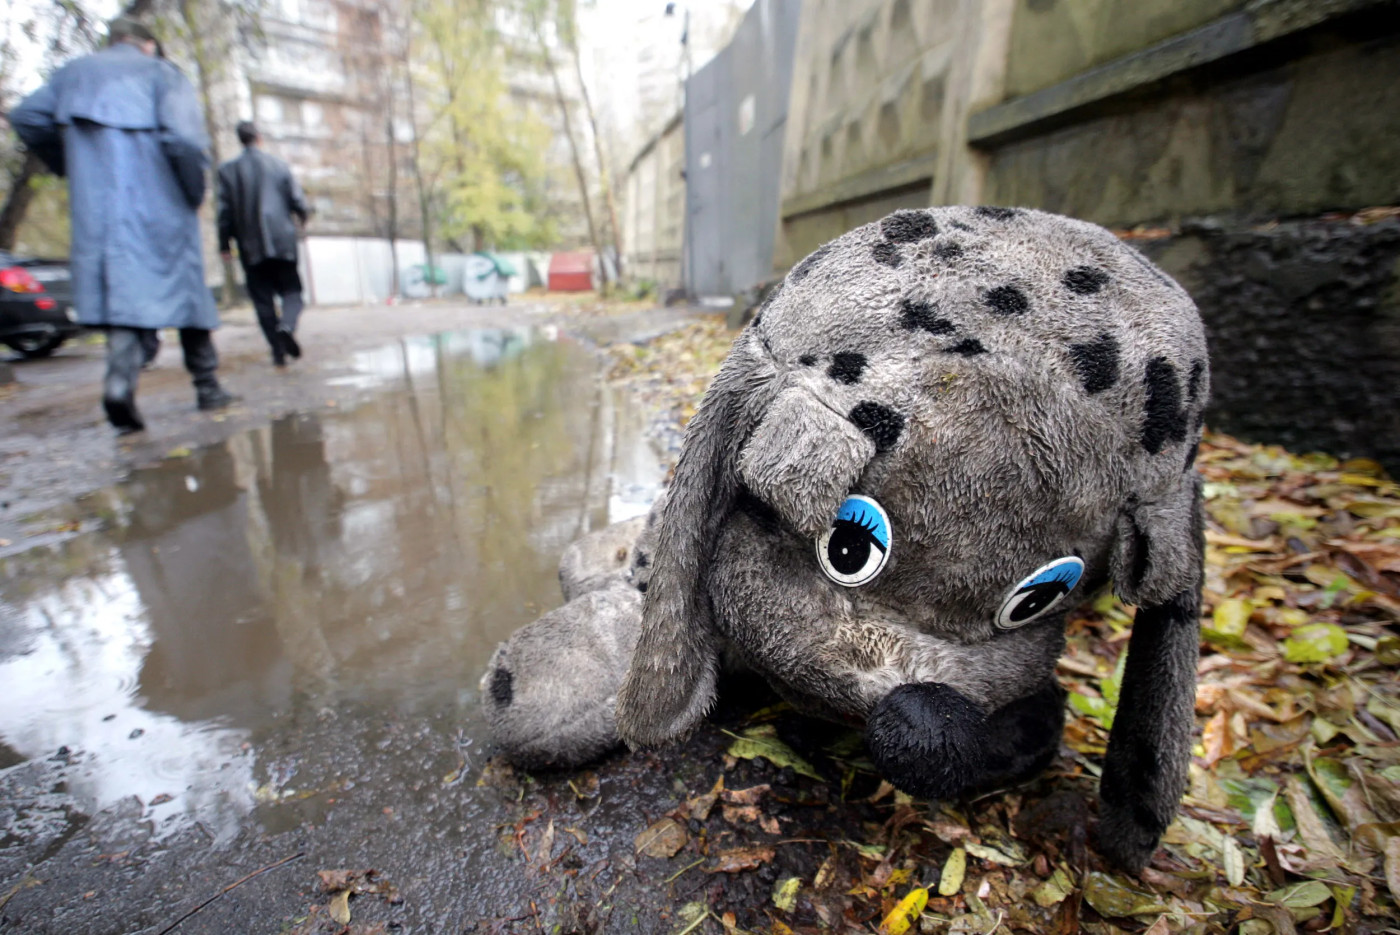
{"x":65,"y":27}
{"x":604,"y":176}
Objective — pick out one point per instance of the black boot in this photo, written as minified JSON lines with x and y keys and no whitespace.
{"x":201,"y":360}
{"x":288,"y":343}
{"x":125,"y":357}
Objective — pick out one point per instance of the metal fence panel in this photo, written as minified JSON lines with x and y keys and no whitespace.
{"x":736,"y":110}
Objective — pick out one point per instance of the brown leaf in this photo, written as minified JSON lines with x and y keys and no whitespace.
{"x":1392,"y":866}
{"x":738,"y":816}
{"x":662,"y":839}
{"x":546,"y":846}
{"x":749,"y":796}
{"x":741,"y":858}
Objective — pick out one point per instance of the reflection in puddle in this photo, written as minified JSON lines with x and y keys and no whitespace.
{"x":373,"y":558}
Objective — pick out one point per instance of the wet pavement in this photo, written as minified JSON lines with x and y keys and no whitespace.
{"x":267,"y":645}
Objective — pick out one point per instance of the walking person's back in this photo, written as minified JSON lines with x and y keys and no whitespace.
{"x":125,"y":127}
{"x":261,"y":206}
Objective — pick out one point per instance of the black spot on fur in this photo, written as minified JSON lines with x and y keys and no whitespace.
{"x":758,"y":317}
{"x":970,"y":347}
{"x":1191,"y":453}
{"x":997,"y":214}
{"x":880,"y":423}
{"x":1008,"y":300}
{"x":801,"y":271}
{"x":642,"y":586}
{"x":886,"y":253}
{"x":928,"y":740}
{"x":1165,"y":418}
{"x":642,"y":560}
{"x":909,"y":226}
{"x":1085,"y":280}
{"x":1097,"y":363}
{"x":806,"y":360}
{"x":846,"y":367}
{"x":502,"y":687}
{"x":947,"y":251}
{"x":959,"y":225}
{"x":1193,"y":382}
{"x":922,"y":316}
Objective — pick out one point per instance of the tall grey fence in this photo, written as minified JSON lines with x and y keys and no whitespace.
{"x":735,"y":115}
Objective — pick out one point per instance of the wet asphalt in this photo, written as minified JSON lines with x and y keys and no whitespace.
{"x":249,"y":643}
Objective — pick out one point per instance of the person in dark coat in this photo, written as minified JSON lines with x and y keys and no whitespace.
{"x":261,"y":206}
{"x":125,"y":127}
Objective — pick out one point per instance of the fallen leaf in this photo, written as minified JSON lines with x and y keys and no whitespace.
{"x":1114,"y":898}
{"x":340,"y":907}
{"x":762,"y":741}
{"x":1301,"y":895}
{"x":546,"y":846}
{"x":1316,"y":642}
{"x":1054,"y":890}
{"x":747,"y":796}
{"x":905,"y":912}
{"x":741,"y":858}
{"x":785,"y":893}
{"x":662,"y":838}
{"x":951,"y":879}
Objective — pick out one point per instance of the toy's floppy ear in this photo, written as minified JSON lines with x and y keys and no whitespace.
{"x":1158,"y":564}
{"x":803,"y":458}
{"x":671,"y":681}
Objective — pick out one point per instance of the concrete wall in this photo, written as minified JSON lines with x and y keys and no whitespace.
{"x":653,"y":210}
{"x":881,"y":91}
{"x":1242,"y":129}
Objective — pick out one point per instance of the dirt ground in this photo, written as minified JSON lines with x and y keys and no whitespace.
{"x":57,"y":445}
{"x":379,"y":809}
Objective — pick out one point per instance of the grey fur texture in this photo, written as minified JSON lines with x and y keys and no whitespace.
{"x":1012,"y":387}
{"x":590,"y":561}
{"x":550,"y":691}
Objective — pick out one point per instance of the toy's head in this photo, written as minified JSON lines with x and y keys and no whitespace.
{"x":1012,"y":387}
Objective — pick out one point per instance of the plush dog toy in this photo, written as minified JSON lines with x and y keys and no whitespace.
{"x":941,"y":432}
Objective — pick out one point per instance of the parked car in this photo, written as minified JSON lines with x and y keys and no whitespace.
{"x":36,"y":304}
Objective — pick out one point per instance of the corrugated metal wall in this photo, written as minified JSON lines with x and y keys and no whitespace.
{"x":736,"y":112}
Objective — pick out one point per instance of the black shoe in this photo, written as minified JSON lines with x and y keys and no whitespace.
{"x":289,"y":343}
{"x":216,"y":399}
{"x":279,"y":361}
{"x":121,"y":412}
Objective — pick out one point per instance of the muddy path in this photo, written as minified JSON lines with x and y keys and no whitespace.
{"x":237,"y":640}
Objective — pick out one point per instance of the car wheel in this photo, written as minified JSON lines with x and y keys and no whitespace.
{"x":34,"y":348}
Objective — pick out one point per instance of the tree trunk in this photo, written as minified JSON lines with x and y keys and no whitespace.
{"x":17,"y":201}
{"x":211,"y":123}
{"x":573,"y":144}
{"x":604,"y":177}
{"x":424,"y":189}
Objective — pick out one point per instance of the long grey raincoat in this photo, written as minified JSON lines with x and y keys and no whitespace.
{"x":126,"y":129}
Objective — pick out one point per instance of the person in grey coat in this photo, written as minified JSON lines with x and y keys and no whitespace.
{"x":261,"y":206}
{"x":125,"y":127}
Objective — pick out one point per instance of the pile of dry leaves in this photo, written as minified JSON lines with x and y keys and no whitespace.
{"x":1292,"y":821}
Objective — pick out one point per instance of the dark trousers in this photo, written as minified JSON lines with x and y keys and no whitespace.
{"x":126,"y":353}
{"x":266,"y":281}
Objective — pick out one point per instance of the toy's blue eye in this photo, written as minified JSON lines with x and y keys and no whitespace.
{"x":854,"y":549}
{"x":1042,"y":590}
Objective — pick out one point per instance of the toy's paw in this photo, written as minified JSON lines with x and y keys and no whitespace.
{"x":550,"y":691}
{"x":1127,"y":836}
{"x":927,"y":739}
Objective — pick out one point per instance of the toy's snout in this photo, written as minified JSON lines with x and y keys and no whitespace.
{"x":803,"y":458}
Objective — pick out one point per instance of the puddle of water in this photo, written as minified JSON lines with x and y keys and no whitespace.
{"x":367,"y":560}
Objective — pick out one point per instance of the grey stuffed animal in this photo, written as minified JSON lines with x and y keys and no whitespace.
{"x":941,"y":432}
